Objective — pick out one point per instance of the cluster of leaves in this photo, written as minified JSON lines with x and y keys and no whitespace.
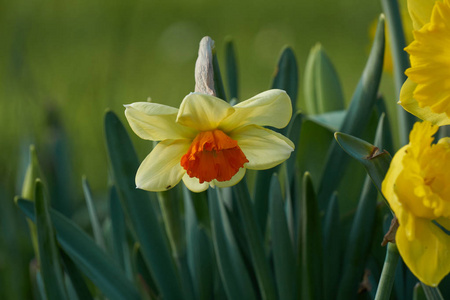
{"x":309,"y":229}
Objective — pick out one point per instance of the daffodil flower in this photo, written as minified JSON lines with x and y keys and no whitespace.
{"x":426,"y":92}
{"x":418,"y":191}
{"x":208,"y":142}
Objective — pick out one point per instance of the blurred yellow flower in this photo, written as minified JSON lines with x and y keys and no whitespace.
{"x":418,"y":191}
{"x":426,"y":92}
{"x":208,"y":142}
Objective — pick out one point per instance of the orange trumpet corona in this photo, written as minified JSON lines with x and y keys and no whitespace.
{"x":213,"y":155}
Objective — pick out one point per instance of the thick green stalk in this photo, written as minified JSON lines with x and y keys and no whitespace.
{"x":388,"y":273}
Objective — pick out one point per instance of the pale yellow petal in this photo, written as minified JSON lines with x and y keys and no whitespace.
{"x":427,"y":255}
{"x":156,"y":122}
{"x":420,"y":12}
{"x":263,"y":148}
{"x":203,"y":112}
{"x":161,"y":169}
{"x":193,"y":184}
{"x":411,"y":105}
{"x":270,"y":108}
{"x":235,"y":179}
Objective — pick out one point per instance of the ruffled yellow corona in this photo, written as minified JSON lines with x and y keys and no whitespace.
{"x":208,"y":142}
{"x":426,"y":92}
{"x":418,"y":191}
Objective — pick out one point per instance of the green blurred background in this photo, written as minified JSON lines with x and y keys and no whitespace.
{"x":65,"y":62}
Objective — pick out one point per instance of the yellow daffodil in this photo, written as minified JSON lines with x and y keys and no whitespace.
{"x":418,"y":191}
{"x":426,"y":92}
{"x":208,"y":142}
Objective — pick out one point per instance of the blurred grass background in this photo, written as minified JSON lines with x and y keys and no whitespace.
{"x":65,"y":62}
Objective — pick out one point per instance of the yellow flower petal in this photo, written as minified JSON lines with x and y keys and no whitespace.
{"x":203,"y":112}
{"x":388,"y":184}
{"x":411,"y":105}
{"x":427,"y":255}
{"x":270,"y":108}
{"x":263,"y":148}
{"x":235,"y":179}
{"x":161,"y":169}
{"x":156,"y":122}
{"x":194,"y":184}
{"x":420,"y":12}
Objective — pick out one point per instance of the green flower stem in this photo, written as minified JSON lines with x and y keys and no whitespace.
{"x":388,"y":273}
{"x":400,"y":61}
{"x":254,"y":238}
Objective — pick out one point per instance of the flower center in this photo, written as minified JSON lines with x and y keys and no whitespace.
{"x":213,"y":155}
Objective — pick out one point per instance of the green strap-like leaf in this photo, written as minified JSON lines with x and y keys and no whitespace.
{"x":51,"y":269}
{"x":199,"y":251}
{"x":120,"y":245}
{"x":357,"y":116}
{"x":140,"y":206}
{"x":310,"y":250}
{"x":254,"y":240}
{"x":358,"y":244}
{"x":233,"y":272}
{"x":331,"y":249}
{"x":322,"y":87}
{"x":218,"y":83}
{"x":375,"y":161}
{"x":283,"y":251}
{"x":400,"y":61}
{"x":286,"y":75}
{"x":92,"y":261}
{"x":231,"y":69}
{"x":98,"y":234}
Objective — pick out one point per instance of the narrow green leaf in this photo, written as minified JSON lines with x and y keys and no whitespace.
{"x":401,"y":62}
{"x":375,"y":161}
{"x":33,"y":172}
{"x":331,"y":249}
{"x":120,"y":245}
{"x":139,"y":206}
{"x":283,"y":250}
{"x":293,"y":133}
{"x":199,"y":251}
{"x":358,"y":244}
{"x":286,"y":75}
{"x":231,"y":69}
{"x":323,"y":91}
{"x":254,"y":240}
{"x":311,"y":257}
{"x":51,"y":269}
{"x":357,"y":116}
{"x":80,"y":289}
{"x":233,"y":272}
{"x":96,"y":229}
{"x":218,"y":83}
{"x":332,"y":120}
{"x":92,"y":261}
